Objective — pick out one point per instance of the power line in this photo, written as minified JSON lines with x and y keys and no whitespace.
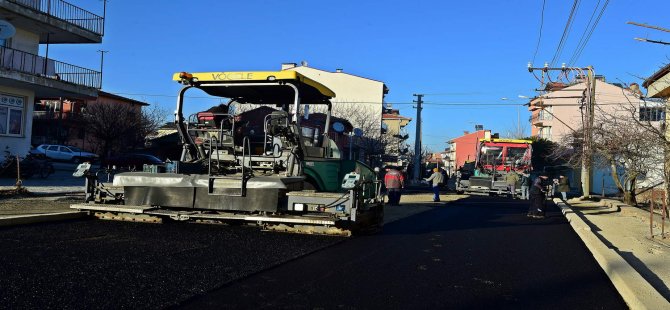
{"x":436,"y":103}
{"x":566,"y":32}
{"x":539,"y":37}
{"x":586,"y":30}
{"x":595,"y":24}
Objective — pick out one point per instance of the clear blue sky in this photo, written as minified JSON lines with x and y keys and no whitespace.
{"x":467,"y":52}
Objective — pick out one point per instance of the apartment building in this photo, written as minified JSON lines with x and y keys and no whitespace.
{"x":557,"y":114}
{"x":396,"y":147}
{"x":26,"y":77}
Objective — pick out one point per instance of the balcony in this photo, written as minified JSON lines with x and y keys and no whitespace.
{"x":58,"y":20}
{"x":51,"y":115}
{"x":50,"y":73}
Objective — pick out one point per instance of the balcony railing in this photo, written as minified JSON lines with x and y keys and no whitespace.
{"x":12,"y":59}
{"x":66,"y":12}
{"x":49,"y":115}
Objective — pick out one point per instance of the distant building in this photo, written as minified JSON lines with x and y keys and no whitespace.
{"x":26,"y":77}
{"x":395,"y":136}
{"x":59,"y":121}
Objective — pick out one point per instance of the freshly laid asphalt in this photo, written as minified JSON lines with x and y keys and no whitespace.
{"x":87,"y":264}
{"x":474,"y":253}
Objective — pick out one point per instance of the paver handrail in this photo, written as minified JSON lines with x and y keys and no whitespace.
{"x":67,"y":12}
{"x":24,"y":62}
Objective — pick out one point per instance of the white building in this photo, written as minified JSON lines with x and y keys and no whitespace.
{"x":350,"y":90}
{"x":26,"y":77}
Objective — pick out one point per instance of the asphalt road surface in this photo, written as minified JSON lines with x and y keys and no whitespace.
{"x":475,"y":253}
{"x":478,"y":253}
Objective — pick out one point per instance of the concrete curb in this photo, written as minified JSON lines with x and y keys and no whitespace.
{"x":12,"y":220}
{"x":634,"y":289}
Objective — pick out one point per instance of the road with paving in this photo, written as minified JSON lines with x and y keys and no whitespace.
{"x":473,"y":253}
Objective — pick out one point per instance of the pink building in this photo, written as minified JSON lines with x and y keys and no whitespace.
{"x":464,"y":149}
{"x":557,"y":114}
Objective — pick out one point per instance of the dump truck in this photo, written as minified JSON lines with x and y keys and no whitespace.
{"x":294,"y":182}
{"x":494,"y":160}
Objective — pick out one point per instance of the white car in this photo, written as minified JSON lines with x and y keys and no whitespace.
{"x":65,"y":153}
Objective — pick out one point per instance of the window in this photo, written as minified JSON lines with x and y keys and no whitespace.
{"x":11,"y":115}
{"x":652,"y":114}
{"x":545,"y":114}
{"x":545,"y":133}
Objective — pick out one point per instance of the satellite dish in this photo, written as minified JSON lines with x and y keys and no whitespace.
{"x":338,"y":127}
{"x":7,"y":30}
{"x":358,"y":132}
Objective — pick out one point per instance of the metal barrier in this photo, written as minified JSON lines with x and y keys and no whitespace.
{"x":66,"y":12}
{"x":48,"y":68}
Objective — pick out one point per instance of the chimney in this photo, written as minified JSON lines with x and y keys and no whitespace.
{"x":288,"y":65}
{"x":338,"y":70}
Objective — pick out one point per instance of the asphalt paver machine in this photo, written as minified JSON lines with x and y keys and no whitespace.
{"x":292,"y":182}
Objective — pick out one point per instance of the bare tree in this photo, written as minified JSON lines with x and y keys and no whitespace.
{"x":516,"y":131}
{"x":115,"y":126}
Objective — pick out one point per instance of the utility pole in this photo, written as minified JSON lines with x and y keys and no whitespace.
{"x":588,"y":112}
{"x":588,"y":133}
{"x":417,"y":139}
{"x":102,"y":62}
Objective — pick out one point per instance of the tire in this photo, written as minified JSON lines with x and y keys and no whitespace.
{"x":45,"y":171}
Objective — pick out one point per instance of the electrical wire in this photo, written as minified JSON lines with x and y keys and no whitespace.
{"x":595,"y":24}
{"x":586,"y":30}
{"x":566,"y":33}
{"x":539,"y":37}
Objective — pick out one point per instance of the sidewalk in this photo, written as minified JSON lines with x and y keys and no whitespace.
{"x":619,"y":238}
{"x":60,"y":183}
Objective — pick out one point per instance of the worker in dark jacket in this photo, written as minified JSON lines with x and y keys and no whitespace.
{"x":394,"y":182}
{"x":537,"y":197}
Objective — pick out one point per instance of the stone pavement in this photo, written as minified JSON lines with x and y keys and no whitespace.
{"x":620,"y":240}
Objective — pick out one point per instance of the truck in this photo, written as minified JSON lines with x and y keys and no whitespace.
{"x":295,"y":181}
{"x":495,"y":158}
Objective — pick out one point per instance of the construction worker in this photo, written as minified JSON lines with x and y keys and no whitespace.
{"x":511,"y":180}
{"x":525,"y":186}
{"x":537,"y":196}
{"x":395,"y":182}
{"x":437,"y":179}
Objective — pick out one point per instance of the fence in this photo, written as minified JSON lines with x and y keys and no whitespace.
{"x":37,"y":65}
{"x":66,"y":12}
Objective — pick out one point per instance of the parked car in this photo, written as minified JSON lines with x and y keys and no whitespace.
{"x":132,"y":161}
{"x":64,"y":153}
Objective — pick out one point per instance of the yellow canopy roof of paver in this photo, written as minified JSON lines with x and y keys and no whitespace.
{"x":503,"y":140}
{"x":310,"y":90}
